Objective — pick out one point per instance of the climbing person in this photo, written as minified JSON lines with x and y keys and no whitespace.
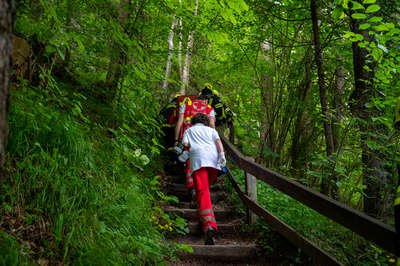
{"x":207,"y":156}
{"x":187,"y":110}
{"x":169,"y":116}
{"x":223,"y":114}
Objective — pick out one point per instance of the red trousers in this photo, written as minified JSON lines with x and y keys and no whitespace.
{"x":203,"y":178}
{"x":189,"y":178}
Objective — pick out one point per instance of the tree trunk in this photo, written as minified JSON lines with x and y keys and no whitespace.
{"x":5,"y":66}
{"x":298,"y":149}
{"x":118,"y":57}
{"x":374,"y":174}
{"x":170,"y":53}
{"x":186,"y":68}
{"x":180,"y":49}
{"x":338,"y":105}
{"x":180,"y":45}
{"x":329,"y":138}
{"x":266,"y":124}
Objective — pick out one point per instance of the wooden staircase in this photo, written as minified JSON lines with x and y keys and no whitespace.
{"x":232,"y":246}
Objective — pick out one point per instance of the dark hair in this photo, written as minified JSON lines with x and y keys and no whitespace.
{"x":200,"y":118}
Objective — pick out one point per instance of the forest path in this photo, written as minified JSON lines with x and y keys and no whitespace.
{"x":232,"y":247}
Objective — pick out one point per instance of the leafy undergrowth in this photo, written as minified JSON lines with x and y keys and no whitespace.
{"x":74,"y":193}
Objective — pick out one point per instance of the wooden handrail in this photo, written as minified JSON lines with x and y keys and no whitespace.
{"x":372,"y":229}
{"x":319,"y":256}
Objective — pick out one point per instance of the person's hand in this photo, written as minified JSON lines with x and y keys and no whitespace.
{"x":221,"y":159}
{"x":183,"y":157}
{"x":178,"y":148}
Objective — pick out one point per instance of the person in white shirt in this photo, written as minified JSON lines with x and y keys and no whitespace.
{"x":207,"y":156}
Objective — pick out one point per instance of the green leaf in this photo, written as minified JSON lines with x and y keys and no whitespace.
{"x":228,"y":15}
{"x":367,"y":2}
{"x":337,"y":13}
{"x":372,"y":9}
{"x":354,"y":37}
{"x":365,"y":26}
{"x":382,"y":27}
{"x":375,"y":19}
{"x":238,"y":5}
{"x":359,"y":16}
{"x":367,"y":68}
{"x":61,"y":53}
{"x":356,"y":6}
{"x":377,"y":54}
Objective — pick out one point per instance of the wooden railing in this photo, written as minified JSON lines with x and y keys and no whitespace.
{"x":371,"y":229}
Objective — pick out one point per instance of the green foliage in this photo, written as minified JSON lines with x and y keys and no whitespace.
{"x":83,"y":188}
{"x":333,"y":238}
{"x":84,"y":140}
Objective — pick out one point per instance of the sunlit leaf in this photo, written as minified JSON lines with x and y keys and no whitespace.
{"x":365,"y":26}
{"x":382,"y":27}
{"x":375,"y":19}
{"x":337,"y":13}
{"x":372,"y":9}
{"x":356,"y":5}
{"x":359,"y":16}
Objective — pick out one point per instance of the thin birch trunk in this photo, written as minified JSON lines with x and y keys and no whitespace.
{"x":170,"y":53}
{"x":180,"y":49}
{"x":186,"y":68}
{"x":180,"y":25}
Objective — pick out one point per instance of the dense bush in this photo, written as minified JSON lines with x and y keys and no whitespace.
{"x":74,"y":191}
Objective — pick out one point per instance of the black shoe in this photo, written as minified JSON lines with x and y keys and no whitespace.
{"x":210,"y":236}
{"x":193,"y":198}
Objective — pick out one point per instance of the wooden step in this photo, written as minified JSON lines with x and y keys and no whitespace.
{"x":182,"y":187}
{"x":216,"y":196}
{"x":223,"y":253}
{"x":191,"y":214}
{"x":216,"y":205}
{"x":206,"y":262}
{"x":243,"y":238}
{"x":230,"y":228}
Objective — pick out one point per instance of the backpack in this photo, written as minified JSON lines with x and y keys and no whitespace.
{"x":223,"y":113}
{"x":193,"y":107}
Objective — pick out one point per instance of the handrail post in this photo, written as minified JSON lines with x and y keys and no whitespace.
{"x":231,"y":132}
{"x":251,"y":191}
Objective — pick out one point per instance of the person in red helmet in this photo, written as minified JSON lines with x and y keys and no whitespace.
{"x":207,"y":156}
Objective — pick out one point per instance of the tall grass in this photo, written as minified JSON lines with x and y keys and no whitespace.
{"x":72,"y":191}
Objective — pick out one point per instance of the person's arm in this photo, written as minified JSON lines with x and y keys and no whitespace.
{"x":178,"y":127}
{"x":212,"y":119}
{"x":185,"y":140}
{"x":220,"y":147}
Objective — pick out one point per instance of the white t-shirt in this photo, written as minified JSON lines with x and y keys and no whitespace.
{"x":203,"y":150}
